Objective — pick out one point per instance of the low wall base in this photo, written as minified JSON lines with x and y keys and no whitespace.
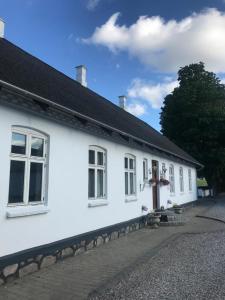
{"x":25,"y":262}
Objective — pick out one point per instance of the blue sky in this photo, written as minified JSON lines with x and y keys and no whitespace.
{"x":129,"y":47}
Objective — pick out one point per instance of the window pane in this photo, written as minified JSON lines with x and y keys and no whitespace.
{"x":37,"y":147}
{"x":100,"y":158}
{"x":91,"y":183}
{"x":190,"y":180}
{"x":100,"y":183}
{"x":16,"y":183}
{"x":181,"y":172}
{"x":131,"y":163}
{"x":18,"y":143}
{"x":91,"y":157}
{"x":172,"y":186}
{"x":126,"y":162}
{"x":131,"y":183}
{"x":126,"y":183}
{"x":143,"y":169}
{"x":35,"y":182}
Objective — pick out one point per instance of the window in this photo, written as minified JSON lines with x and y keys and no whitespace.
{"x":130,"y":176}
{"x":163,"y":172}
{"x":181,"y":179}
{"x":97,"y":173}
{"x":27,"y":167}
{"x":145,"y":169}
{"x":190,"y":180}
{"x":171,"y":179}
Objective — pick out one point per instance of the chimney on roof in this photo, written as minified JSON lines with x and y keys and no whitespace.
{"x":81,"y":75}
{"x":122,"y":101}
{"x":2,"y":28}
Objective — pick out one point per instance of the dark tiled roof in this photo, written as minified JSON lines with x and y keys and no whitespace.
{"x":25,"y":71}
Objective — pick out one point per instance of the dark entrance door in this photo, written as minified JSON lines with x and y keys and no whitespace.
{"x":155,"y":186}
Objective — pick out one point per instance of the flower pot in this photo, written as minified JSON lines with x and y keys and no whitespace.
{"x":178,"y":210}
{"x":154,"y":220}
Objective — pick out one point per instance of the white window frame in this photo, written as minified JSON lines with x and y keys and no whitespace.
{"x":129,"y":171}
{"x":28,"y":159}
{"x":172,"y":179}
{"x":190,"y":180}
{"x":97,"y":167}
{"x":181,"y":176}
{"x":145,"y":169}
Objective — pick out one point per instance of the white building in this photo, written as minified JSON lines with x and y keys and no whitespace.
{"x":74,"y":165}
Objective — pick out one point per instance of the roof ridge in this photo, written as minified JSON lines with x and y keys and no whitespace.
{"x":40,"y":78}
{"x":80,"y":85}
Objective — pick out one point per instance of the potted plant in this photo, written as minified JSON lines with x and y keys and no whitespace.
{"x":177,"y":209}
{"x":164,"y":181}
{"x":154,"y":181}
{"x":153,"y":219}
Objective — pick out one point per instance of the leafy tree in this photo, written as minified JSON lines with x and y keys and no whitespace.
{"x":193,"y":116}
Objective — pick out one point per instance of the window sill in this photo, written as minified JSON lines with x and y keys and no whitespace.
{"x":131,"y":199}
{"x":15,"y":212}
{"x":95,"y":203}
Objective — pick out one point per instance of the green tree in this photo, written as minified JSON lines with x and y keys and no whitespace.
{"x":193,"y":116}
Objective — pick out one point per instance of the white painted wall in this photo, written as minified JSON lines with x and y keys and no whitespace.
{"x":69,"y":213}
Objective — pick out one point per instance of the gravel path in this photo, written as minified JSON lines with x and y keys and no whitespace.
{"x":192,"y":267}
{"x":216,"y":211}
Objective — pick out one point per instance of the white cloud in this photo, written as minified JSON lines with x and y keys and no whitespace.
{"x":70,"y":36}
{"x":152,"y":93}
{"x":222,"y":80}
{"x":92,"y":4}
{"x":136,"y":109}
{"x":168,"y":45}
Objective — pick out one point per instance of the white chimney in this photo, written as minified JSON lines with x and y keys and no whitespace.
{"x":122,"y":101}
{"x":81,"y":75}
{"x":2,"y":28}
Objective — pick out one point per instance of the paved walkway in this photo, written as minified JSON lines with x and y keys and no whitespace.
{"x":75,"y":278}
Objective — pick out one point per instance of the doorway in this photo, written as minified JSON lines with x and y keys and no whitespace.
{"x":155,"y":177}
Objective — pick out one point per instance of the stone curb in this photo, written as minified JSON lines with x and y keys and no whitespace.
{"x":210,"y":218}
